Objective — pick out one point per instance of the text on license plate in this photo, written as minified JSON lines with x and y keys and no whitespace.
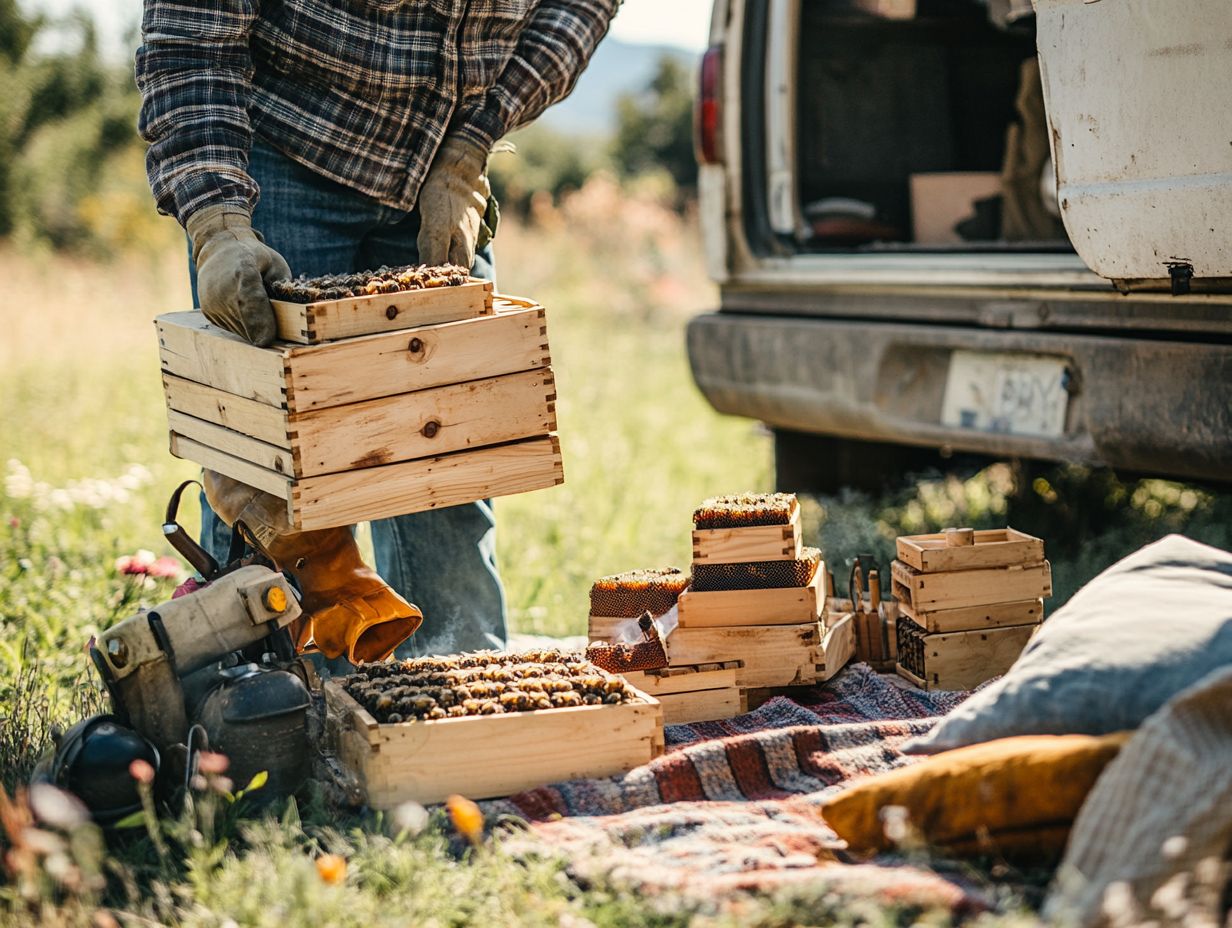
{"x":1016,"y":394}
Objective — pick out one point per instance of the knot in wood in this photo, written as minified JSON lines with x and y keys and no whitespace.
{"x":416,"y":346}
{"x":391,"y":312}
{"x":431,"y":428}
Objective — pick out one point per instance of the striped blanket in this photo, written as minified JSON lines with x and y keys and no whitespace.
{"x":732,"y":806}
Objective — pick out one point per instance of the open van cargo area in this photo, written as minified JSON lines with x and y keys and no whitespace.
{"x":903,"y":129}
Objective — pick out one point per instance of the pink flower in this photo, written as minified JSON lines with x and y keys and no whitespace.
{"x":138,"y":563}
{"x":14,"y":522}
{"x":212,"y":762}
{"x":141,"y":771}
{"x":166,"y":566}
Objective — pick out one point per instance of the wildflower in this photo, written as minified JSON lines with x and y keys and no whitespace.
{"x":165,"y":567}
{"x":466,"y":818}
{"x":14,"y":522}
{"x":212,"y":762}
{"x":141,"y":771}
{"x":139,"y":563}
{"x":331,"y":868}
{"x":411,"y":818}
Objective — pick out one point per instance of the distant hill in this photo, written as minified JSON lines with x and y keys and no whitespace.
{"x":617,"y":67}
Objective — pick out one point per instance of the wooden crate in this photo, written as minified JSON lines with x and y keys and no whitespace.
{"x":684,"y":678}
{"x":703,"y":705}
{"x":752,"y":543}
{"x":326,"y":320}
{"x":782,"y":606}
{"x":974,"y":618}
{"x":486,"y":757}
{"x":958,"y":589}
{"x":964,"y":549}
{"x":772,"y":655}
{"x":958,"y":660}
{"x":373,"y":426}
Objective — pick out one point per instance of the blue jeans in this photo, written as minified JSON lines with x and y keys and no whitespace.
{"x":443,"y":560}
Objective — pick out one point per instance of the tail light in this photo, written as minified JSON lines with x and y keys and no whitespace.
{"x":708,"y":124}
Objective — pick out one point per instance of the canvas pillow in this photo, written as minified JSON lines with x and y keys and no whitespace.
{"x":1015,"y":797}
{"x":1146,"y":628}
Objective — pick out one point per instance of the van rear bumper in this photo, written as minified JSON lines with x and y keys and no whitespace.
{"x":1140,"y":404}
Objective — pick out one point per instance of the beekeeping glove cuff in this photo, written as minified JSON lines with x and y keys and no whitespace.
{"x":233,"y":266}
{"x":454,"y":214}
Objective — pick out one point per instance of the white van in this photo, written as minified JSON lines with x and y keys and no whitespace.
{"x":904,"y":278}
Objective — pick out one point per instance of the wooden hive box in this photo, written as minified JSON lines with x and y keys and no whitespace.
{"x":770,"y":655}
{"x":965,"y":549}
{"x":486,"y":757}
{"x":372,"y":426}
{"x":749,"y":543}
{"x":958,"y":660}
{"x":695,"y":692}
{"x":919,"y":592}
{"x":776,"y":606}
{"x":329,"y":320}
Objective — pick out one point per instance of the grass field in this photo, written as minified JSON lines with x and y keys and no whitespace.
{"x":86,"y":474}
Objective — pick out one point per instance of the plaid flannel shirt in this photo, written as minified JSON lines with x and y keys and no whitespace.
{"x":361,"y":91}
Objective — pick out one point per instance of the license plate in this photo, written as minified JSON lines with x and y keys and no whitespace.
{"x":1013,"y":394}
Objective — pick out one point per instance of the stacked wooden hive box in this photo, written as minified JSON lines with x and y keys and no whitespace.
{"x":370,"y":406}
{"x":750,"y":618}
{"x":968,"y":603}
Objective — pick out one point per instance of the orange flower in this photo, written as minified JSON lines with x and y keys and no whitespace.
{"x":466,"y":818}
{"x":331,"y":868}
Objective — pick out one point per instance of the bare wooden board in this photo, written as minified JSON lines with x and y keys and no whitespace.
{"x":964,"y":660}
{"x":702,"y":705}
{"x":973,"y":618}
{"x":772,"y":655}
{"x":327,"y":320}
{"x":784,"y":606}
{"x":248,"y":417}
{"x":659,"y":684}
{"x":189,"y":347}
{"x":960,"y":588}
{"x":1001,"y":547}
{"x":490,"y":756}
{"x":457,"y":417}
{"x":838,"y":647}
{"x":243,"y":470}
{"x":751,"y":543}
{"x":428,"y":483}
{"x":236,"y":444}
{"x":302,"y":378}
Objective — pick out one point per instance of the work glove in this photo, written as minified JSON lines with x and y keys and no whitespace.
{"x":233,"y":266}
{"x":457,"y":214}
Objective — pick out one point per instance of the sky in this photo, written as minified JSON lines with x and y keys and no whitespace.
{"x":683,"y":23}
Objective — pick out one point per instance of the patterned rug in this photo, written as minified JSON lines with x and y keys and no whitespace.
{"x":732,"y":806}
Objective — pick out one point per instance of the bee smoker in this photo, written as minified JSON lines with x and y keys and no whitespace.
{"x":217,"y":667}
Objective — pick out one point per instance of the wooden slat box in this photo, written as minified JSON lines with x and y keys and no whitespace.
{"x":772,"y":655}
{"x":693,"y":693}
{"x":779,"y":606}
{"x":975,"y":618}
{"x":749,"y":543}
{"x":944,"y":551}
{"x":486,"y":757}
{"x":326,"y":320}
{"x":374,"y":426}
{"x":958,"y":660}
{"x":958,"y":589}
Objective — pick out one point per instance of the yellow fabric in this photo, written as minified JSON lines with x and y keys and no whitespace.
{"x":1015,"y":797}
